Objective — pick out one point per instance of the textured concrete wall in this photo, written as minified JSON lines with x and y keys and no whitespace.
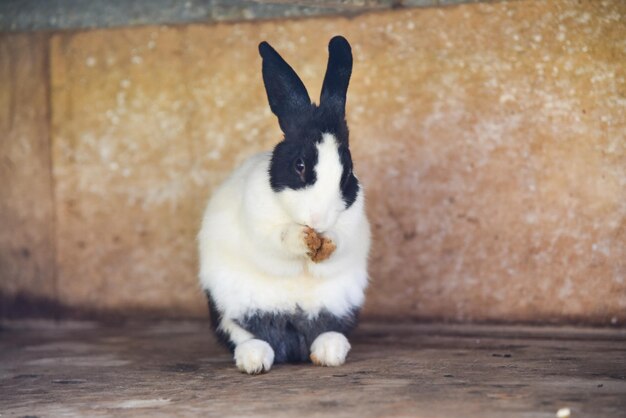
{"x":27,"y":258}
{"x":490,"y":138}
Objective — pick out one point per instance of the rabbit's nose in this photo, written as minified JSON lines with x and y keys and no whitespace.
{"x":319,"y":222}
{"x":316,"y":218}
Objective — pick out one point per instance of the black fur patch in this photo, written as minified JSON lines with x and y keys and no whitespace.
{"x":300,"y":143}
{"x":349,"y":183}
{"x":216,"y":319}
{"x":282,"y":166}
{"x":289,"y":335}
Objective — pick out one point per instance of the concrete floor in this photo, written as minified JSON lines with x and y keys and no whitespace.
{"x":176,"y":369}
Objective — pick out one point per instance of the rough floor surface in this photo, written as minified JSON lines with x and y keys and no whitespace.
{"x":176,"y":369}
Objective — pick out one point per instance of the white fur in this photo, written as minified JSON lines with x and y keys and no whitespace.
{"x":330,"y":349}
{"x":252,"y":254}
{"x":236,"y":334}
{"x":254,"y":356}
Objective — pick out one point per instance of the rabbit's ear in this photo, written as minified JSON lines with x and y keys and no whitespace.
{"x":286,"y":93}
{"x":337,"y":76}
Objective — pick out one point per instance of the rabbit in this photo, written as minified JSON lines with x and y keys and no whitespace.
{"x":284,"y":242}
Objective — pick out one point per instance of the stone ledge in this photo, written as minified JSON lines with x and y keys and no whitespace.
{"x":26,"y":15}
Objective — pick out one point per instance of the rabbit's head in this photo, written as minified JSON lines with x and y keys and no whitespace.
{"x":311,"y":168}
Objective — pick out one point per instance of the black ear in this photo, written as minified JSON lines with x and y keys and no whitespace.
{"x":337,"y":76}
{"x":286,"y":93}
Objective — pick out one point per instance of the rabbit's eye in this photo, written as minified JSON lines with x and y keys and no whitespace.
{"x":300,"y":168}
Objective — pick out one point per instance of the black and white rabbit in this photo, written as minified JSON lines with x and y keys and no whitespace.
{"x":285,"y":240}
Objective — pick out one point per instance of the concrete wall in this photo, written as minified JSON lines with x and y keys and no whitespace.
{"x":27,"y":219}
{"x":491,"y":139}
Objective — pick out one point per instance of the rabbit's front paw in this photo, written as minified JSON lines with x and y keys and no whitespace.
{"x":254,"y":356}
{"x":330,"y":349}
{"x":319,"y":248}
{"x":293,"y":238}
